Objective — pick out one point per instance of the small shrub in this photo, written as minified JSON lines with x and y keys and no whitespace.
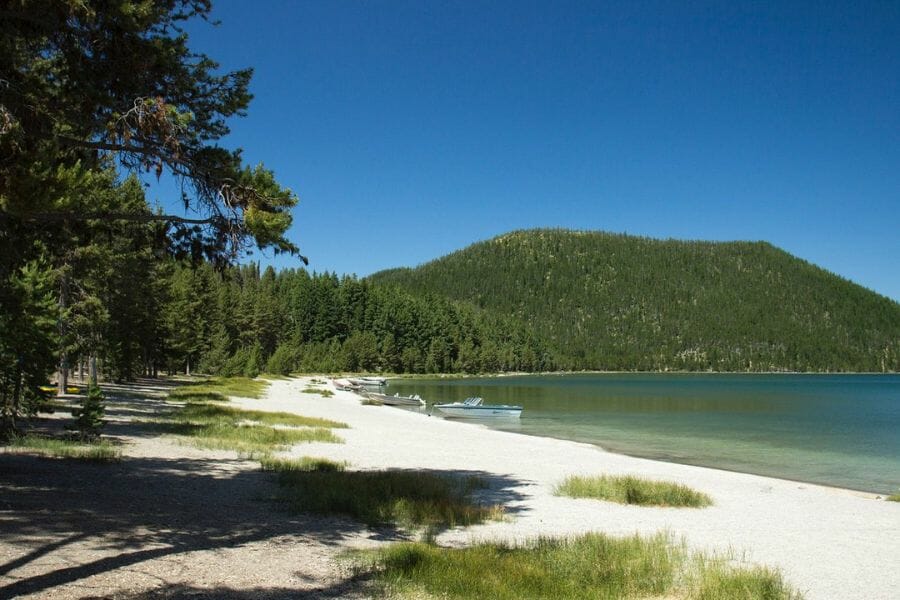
{"x":893,"y":498}
{"x":89,"y":416}
{"x":633,"y":490}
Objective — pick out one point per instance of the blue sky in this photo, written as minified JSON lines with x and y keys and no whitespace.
{"x":412,"y":129}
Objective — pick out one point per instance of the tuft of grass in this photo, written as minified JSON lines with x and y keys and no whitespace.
{"x":713,"y":579}
{"x":590,"y":566}
{"x":304,"y":464}
{"x":322,"y":392}
{"x":593,"y":565}
{"x":249,"y":432}
{"x":371,"y":402}
{"x":254,"y":440}
{"x":407,"y":498}
{"x":633,"y":490}
{"x":99,"y":451}
{"x":893,"y":497}
{"x":218,"y":388}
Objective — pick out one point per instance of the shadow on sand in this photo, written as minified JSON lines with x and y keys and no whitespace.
{"x":145,"y":508}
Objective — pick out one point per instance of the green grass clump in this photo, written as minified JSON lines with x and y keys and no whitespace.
{"x":304,"y":464}
{"x":406,"y":498}
{"x":371,"y":402}
{"x":590,"y":566}
{"x":254,"y":440}
{"x":98,"y":451}
{"x":249,"y":432}
{"x":893,"y":498}
{"x":712,"y":579}
{"x":325,"y":393}
{"x":218,"y":388}
{"x":633,"y":490}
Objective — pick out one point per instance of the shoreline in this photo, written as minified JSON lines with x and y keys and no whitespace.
{"x":802,"y":529}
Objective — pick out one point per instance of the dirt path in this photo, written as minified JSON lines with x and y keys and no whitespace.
{"x":168,"y":521}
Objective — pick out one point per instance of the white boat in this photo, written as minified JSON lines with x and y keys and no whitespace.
{"x":396,"y":399}
{"x":344,"y":384}
{"x":474,"y":408}
{"x":369,"y":381}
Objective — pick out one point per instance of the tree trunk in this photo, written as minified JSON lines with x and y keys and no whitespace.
{"x":93,"y":370}
{"x":63,"y":379}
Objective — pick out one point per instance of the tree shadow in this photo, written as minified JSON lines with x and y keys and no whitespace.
{"x":143,"y":509}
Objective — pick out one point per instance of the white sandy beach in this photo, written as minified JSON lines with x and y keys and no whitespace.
{"x":830,"y":543}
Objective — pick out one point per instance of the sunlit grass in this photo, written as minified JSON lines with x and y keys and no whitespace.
{"x":218,"y":389}
{"x":325,"y":393}
{"x":100,"y":451}
{"x":303,"y":464}
{"x":592,"y":565}
{"x":249,"y":432}
{"x":407,"y":498}
{"x":893,"y":498}
{"x":714,"y":579}
{"x":633,"y":490}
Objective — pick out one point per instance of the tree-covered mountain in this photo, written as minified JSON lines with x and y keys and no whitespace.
{"x":619,"y":302}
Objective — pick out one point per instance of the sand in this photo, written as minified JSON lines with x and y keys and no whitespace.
{"x":829,"y":542}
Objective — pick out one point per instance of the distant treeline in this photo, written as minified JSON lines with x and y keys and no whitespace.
{"x":243,"y":322}
{"x":618,"y":302}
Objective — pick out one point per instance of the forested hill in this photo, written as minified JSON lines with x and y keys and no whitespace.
{"x":618,"y":302}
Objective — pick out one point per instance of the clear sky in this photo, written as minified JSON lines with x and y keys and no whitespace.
{"x":412,"y":129}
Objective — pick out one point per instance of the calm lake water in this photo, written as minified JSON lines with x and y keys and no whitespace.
{"x":841,"y":430}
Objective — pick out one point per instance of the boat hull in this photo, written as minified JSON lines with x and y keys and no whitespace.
{"x":396,"y":400}
{"x":459,"y":411}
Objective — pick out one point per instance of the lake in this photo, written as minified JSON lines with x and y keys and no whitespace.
{"x":841,"y":430}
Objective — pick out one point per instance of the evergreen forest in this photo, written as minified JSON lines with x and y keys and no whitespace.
{"x":617,"y":302}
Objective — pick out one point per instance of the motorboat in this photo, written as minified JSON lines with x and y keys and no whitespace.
{"x":369,"y":381}
{"x":396,"y":399}
{"x":474,"y":408}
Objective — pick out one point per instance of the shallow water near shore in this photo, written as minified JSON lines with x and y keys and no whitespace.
{"x":840,"y":430}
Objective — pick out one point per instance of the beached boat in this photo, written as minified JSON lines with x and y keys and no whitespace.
{"x":344,"y":384}
{"x":474,"y":408}
{"x":396,"y":399}
{"x":369,"y":381}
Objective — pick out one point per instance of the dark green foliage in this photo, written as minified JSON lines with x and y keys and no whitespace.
{"x":89,"y":416}
{"x":28,"y":317}
{"x":243,"y":322}
{"x":617,"y":302}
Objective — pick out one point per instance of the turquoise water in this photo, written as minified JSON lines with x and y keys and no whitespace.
{"x":841,"y":430}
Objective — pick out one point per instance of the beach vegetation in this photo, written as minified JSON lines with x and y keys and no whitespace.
{"x":324,"y":392}
{"x":96,"y":450}
{"x":213,"y":425}
{"x":592,"y":565}
{"x":632,"y":490}
{"x":219,"y":389}
{"x":893,"y":497}
{"x":410,"y":499}
{"x":303,"y":464}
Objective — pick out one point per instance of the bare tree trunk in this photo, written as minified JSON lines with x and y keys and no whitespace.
{"x":63,"y":379}
{"x":93,"y":369}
